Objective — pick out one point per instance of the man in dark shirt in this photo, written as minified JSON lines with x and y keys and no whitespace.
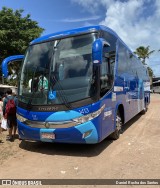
{"x":11,"y":118}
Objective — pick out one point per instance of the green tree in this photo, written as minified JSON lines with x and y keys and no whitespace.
{"x":150,"y":72}
{"x":143,"y":53}
{"x":16,"y":31}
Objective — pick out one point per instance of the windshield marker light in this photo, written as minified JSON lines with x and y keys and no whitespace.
{"x":89,"y":117}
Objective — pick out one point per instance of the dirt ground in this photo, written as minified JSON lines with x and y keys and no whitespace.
{"x":136,"y":155}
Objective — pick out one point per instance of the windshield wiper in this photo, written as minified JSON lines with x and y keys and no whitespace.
{"x":61,"y":92}
{"x":53,"y":79}
{"x":29,"y":104}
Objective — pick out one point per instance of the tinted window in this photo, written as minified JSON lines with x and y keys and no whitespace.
{"x":124,"y":64}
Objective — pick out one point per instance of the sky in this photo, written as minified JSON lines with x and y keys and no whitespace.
{"x":137,"y":22}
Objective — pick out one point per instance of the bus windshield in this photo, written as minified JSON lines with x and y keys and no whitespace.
{"x":58,"y":71}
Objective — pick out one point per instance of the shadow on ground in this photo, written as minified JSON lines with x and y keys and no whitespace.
{"x":83,"y":150}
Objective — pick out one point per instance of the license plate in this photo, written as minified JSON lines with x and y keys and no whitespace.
{"x":48,"y":135}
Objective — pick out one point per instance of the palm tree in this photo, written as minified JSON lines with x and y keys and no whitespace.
{"x":143,"y":53}
{"x":150,"y":72}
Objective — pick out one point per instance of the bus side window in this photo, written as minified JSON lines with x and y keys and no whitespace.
{"x":112,"y":62}
{"x":105,"y":78}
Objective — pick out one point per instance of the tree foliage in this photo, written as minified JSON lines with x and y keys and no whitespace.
{"x":143,"y":53}
{"x":16,"y":31}
{"x":150,"y":72}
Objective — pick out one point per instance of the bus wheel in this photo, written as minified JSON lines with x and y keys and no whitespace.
{"x":116,"y":134}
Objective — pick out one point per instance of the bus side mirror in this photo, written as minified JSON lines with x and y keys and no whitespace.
{"x":97,"y":50}
{"x":6,"y":61}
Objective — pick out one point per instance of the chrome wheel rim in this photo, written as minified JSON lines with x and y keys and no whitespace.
{"x":118,"y":123}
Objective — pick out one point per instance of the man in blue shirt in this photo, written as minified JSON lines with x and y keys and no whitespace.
{"x":11,"y":117}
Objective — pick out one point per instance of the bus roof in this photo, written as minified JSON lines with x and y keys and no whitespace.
{"x":78,"y":31}
{"x":73,"y":32}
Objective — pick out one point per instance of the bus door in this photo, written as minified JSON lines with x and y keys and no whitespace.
{"x":102,"y":60}
{"x":106,"y":82}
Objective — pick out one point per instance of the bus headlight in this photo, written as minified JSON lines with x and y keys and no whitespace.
{"x":21,"y":118}
{"x":89,"y":117}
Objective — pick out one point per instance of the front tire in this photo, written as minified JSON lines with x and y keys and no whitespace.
{"x":116,"y":134}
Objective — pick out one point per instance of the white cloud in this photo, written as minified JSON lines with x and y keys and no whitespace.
{"x":91,"y":5}
{"x":80,"y":19}
{"x":135,"y":21}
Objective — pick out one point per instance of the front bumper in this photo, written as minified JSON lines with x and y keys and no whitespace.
{"x":83,"y":133}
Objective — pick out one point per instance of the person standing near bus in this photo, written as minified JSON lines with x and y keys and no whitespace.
{"x":9,"y":112}
{"x":1,"y":112}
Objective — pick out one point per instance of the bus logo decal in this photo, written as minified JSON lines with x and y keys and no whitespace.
{"x":47,"y":125}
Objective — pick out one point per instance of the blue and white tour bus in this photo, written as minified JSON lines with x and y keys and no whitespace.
{"x":78,"y":86}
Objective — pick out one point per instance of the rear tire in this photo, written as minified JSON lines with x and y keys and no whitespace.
{"x":116,"y":134}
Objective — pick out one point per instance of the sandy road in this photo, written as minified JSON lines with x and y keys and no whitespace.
{"x":135,"y":155}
